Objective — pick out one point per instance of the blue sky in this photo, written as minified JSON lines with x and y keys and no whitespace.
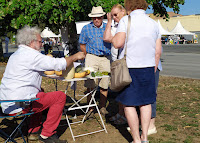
{"x":190,"y":7}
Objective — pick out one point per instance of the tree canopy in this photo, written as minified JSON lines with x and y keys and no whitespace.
{"x":54,"y":14}
{"x":159,"y":6}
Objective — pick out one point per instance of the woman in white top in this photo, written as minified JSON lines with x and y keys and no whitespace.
{"x":117,"y":12}
{"x":143,"y":54}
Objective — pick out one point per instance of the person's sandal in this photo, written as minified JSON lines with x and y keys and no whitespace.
{"x":114,"y":118}
{"x":152,"y":131}
{"x":144,"y":141}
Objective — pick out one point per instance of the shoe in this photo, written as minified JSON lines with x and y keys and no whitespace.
{"x":152,"y":131}
{"x":103,"y":111}
{"x":114,"y":118}
{"x":51,"y":139}
{"x":121,"y":121}
{"x":33,"y":137}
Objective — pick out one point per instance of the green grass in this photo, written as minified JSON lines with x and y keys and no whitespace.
{"x":178,"y":113}
{"x":188,"y":140}
{"x":197,"y":90}
{"x":169,"y":127}
{"x":184,"y":124}
{"x":160,"y":108}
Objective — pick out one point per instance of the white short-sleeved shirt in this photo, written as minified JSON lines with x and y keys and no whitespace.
{"x":114,"y":51}
{"x":22,"y":77}
{"x":141,"y":44}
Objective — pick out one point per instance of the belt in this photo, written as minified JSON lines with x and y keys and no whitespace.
{"x":98,"y":55}
{"x":101,"y":55}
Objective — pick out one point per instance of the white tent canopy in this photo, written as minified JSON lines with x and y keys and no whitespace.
{"x":48,"y":33}
{"x":80,"y":25}
{"x":163,"y":31}
{"x":179,"y":30}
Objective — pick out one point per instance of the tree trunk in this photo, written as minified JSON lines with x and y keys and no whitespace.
{"x":1,"y":51}
{"x":69,"y":39}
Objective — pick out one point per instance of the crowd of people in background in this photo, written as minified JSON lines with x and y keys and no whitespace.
{"x":175,"y":39}
{"x":48,"y":44}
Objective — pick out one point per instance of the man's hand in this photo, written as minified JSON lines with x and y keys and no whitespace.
{"x":75,"y":57}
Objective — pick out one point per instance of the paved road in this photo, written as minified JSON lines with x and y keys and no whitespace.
{"x":188,"y":48}
{"x":181,"y":61}
{"x":177,"y":60}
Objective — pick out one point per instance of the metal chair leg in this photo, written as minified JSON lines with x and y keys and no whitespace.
{"x":10,"y":138}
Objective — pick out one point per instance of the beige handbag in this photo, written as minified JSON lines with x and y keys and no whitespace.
{"x":120,"y":76}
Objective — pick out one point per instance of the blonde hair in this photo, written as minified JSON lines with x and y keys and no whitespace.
{"x":119,"y":6}
{"x":27,"y":34}
{"x":131,"y":5}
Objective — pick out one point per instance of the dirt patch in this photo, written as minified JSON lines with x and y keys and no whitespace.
{"x":178,"y":114}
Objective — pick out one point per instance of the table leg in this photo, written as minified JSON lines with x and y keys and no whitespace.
{"x":92,"y":103}
{"x":55,"y":82}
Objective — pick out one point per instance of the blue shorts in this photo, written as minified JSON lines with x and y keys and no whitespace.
{"x":153,"y":106}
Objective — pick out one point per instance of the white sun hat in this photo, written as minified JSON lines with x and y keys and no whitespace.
{"x":97,"y":12}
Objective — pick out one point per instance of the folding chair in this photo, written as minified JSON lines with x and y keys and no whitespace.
{"x":11,"y":137}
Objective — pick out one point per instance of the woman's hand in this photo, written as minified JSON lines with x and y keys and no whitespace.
{"x":109,"y":17}
{"x":107,"y":36}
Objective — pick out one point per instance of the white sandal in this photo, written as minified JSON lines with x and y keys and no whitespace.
{"x":114,"y":118}
{"x":152,"y":131}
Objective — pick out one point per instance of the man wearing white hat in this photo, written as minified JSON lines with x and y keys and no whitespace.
{"x":97,"y":52}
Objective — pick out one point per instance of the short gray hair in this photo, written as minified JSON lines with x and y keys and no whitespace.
{"x":27,"y":34}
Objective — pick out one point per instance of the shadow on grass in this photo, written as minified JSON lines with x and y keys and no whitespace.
{"x":113,"y":110}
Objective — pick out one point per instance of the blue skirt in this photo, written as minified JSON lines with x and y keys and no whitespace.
{"x":142,"y":90}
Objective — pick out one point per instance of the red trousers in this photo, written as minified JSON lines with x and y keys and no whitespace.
{"x":55,"y":102}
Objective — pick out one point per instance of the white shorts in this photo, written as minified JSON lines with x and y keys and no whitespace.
{"x":99,"y":64}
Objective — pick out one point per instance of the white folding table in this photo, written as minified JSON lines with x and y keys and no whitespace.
{"x":76,"y":105}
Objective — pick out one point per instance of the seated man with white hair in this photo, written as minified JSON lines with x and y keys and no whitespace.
{"x":22,"y":80}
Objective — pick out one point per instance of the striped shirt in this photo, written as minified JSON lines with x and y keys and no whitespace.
{"x":93,"y":38}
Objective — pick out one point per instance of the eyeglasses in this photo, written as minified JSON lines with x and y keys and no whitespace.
{"x":115,"y":14}
{"x":38,"y":41}
{"x":94,"y":18}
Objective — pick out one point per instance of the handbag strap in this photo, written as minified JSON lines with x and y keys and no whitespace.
{"x":128,"y":31}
